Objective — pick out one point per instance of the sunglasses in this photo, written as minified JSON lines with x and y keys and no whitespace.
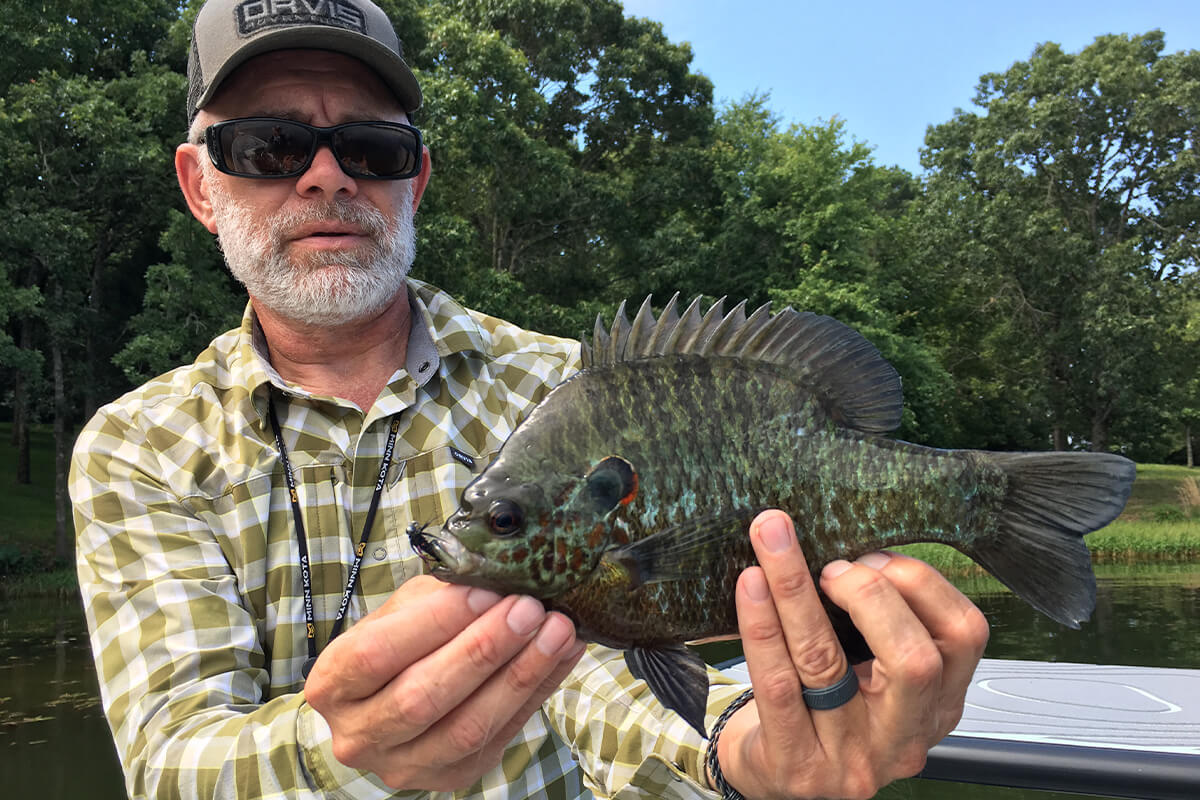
{"x":265,"y":147}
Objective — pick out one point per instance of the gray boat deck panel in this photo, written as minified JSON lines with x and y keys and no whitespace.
{"x":1085,"y":705}
{"x":1133,"y":708}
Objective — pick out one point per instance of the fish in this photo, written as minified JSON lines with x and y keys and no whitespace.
{"x":624,"y":498}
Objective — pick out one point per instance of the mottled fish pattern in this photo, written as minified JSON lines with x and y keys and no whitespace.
{"x":625,"y":497}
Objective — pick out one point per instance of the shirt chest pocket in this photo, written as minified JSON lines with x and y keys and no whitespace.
{"x":432,"y":482}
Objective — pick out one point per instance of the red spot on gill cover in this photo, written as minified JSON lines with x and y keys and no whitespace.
{"x":627,"y":499}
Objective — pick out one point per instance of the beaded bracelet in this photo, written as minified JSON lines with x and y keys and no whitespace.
{"x":714,"y":766}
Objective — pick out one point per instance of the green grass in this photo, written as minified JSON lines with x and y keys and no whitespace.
{"x":1157,"y":485}
{"x":60,"y":582}
{"x":27,"y":521}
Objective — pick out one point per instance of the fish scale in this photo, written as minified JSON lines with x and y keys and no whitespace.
{"x":624,"y":498}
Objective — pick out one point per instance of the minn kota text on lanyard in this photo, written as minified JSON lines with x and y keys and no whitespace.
{"x":310,"y":626}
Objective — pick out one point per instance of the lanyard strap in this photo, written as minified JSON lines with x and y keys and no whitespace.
{"x":310,"y":627}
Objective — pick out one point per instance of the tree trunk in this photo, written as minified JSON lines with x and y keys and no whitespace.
{"x":21,"y":442}
{"x":90,"y":329}
{"x":20,"y":429}
{"x":62,"y":451}
{"x":1060,"y":438}
{"x":1187,"y":439}
{"x":1100,"y":433}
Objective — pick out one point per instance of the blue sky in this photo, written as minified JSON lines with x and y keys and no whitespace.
{"x":889,"y":69}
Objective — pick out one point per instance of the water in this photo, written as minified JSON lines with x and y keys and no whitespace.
{"x":55,"y":744}
{"x":54,"y":740}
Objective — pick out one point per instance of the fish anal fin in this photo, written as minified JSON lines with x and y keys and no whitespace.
{"x":678,"y":678}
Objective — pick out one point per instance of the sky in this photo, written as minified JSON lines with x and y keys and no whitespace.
{"x":890,"y":69}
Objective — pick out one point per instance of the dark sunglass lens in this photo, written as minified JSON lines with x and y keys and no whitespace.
{"x":262,"y":147}
{"x":377,"y":151}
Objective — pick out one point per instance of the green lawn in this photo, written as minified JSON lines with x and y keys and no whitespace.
{"x":27,"y":521}
{"x":1157,"y":486}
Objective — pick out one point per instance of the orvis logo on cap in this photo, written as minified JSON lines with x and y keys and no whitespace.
{"x":254,"y":15}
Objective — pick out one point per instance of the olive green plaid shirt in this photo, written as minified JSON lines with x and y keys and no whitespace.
{"x":188,"y":566}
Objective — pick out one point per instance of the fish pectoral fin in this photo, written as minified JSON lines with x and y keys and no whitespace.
{"x":686,"y":550}
{"x":677,"y":676}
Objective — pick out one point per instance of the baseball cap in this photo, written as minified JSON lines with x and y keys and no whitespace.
{"x":228,"y":32}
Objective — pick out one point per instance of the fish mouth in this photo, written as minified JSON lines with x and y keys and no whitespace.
{"x":444,"y":557}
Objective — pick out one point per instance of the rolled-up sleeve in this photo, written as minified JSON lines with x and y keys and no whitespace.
{"x":627,"y":744}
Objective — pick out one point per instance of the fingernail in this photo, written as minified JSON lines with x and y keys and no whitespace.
{"x":776,"y":534}
{"x":525,"y":615}
{"x":553,"y":635}
{"x":480,"y":600}
{"x":835,"y":568}
{"x":874,"y":560}
{"x":756,"y":585}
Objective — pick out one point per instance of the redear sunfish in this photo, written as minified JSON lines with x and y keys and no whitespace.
{"x":624,"y":498}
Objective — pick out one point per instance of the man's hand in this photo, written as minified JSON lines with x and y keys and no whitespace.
{"x":428,"y":690}
{"x":927,"y":639}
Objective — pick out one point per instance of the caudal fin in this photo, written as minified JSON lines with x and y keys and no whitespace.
{"x":1053,"y":500}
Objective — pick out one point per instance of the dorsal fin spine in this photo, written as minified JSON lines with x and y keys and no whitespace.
{"x":827,"y":358}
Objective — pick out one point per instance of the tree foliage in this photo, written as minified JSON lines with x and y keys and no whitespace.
{"x":1038,"y":287}
{"x":1070,"y":204}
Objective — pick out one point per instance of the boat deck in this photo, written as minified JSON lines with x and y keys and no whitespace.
{"x":1131,"y":732}
{"x":1134,"y":708}
{"x":1131,"y":708}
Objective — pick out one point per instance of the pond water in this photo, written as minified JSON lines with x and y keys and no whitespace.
{"x":55,"y":743}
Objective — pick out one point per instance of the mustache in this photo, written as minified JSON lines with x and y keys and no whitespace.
{"x":352,"y":212}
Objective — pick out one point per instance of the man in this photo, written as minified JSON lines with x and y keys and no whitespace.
{"x":236,"y":515}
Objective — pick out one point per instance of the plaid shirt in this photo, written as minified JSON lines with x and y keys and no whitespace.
{"x":188,"y":565}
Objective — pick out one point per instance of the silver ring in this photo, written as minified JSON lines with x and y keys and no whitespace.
{"x":833,"y":696}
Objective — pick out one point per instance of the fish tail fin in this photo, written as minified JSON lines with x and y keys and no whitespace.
{"x":1053,"y":499}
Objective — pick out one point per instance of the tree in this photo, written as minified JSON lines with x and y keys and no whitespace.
{"x":188,"y":300}
{"x":1182,"y":393}
{"x":88,"y":185}
{"x":556,"y":127}
{"x":1065,"y":211}
{"x":93,"y":38}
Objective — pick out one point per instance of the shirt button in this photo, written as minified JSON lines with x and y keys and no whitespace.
{"x":424,"y":367}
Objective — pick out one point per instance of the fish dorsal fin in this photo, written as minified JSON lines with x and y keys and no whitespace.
{"x":860,"y":388}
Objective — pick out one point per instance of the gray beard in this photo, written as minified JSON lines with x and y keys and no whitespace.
{"x":319,"y":288}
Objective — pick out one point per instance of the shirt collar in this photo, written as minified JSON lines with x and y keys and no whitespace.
{"x":441,"y":327}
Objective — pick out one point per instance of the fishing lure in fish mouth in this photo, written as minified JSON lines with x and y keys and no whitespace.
{"x":423,"y":544}
{"x":444,"y":557}
{"x":432,"y":549}
{"x":624,"y":498}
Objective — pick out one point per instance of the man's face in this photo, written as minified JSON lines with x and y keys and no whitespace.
{"x":323,"y":248}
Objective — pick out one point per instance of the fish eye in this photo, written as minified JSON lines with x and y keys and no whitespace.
{"x":505,"y":518}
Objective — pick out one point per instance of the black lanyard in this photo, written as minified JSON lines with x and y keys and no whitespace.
{"x":310,"y":626}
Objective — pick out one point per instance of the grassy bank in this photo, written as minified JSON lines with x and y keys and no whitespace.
{"x":56,"y":582}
